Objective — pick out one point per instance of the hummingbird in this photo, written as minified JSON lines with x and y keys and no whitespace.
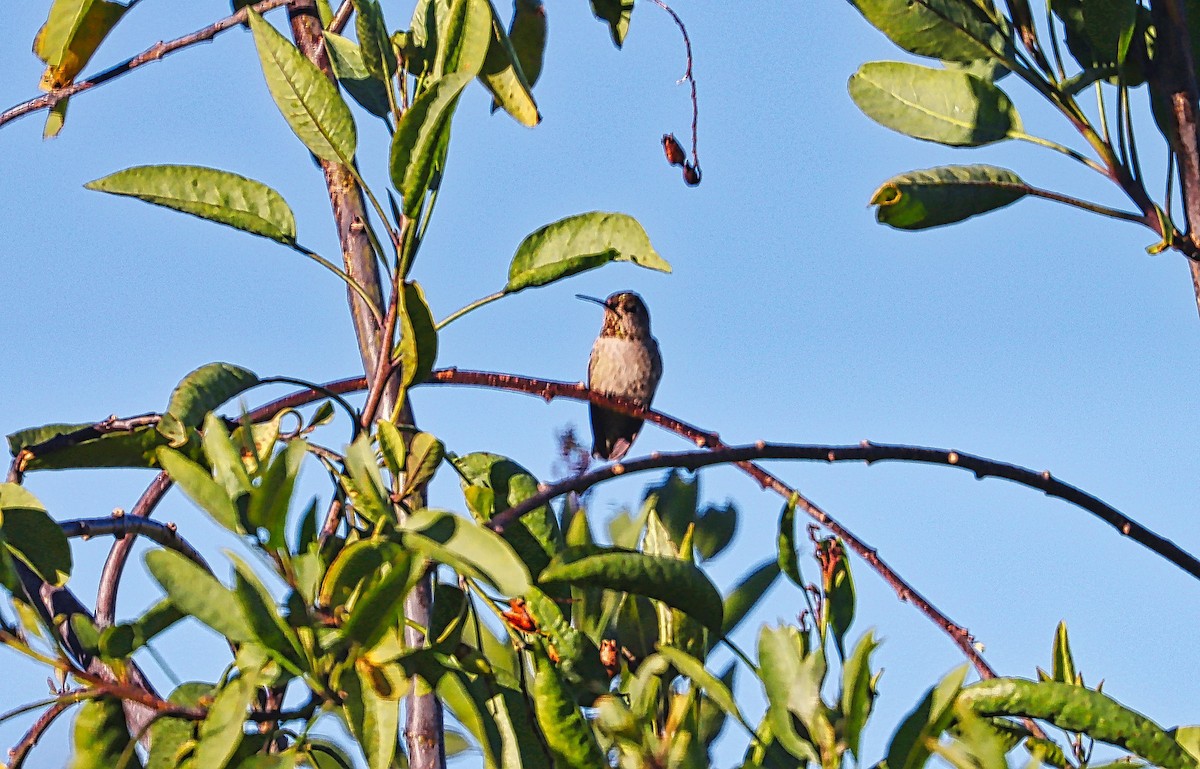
{"x":625,"y":362}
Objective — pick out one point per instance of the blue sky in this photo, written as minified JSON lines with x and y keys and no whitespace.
{"x":1037,"y":335}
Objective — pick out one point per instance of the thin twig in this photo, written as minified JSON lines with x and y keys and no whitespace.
{"x":687,"y":76}
{"x":153,"y":53}
{"x":867,"y":452}
{"x":17,"y":754}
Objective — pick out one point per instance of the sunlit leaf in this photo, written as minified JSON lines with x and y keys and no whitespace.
{"x":503,"y":73}
{"x":209,"y":496}
{"x":579,"y":243}
{"x":219,"y":196}
{"x":197,"y":593}
{"x":939,"y":105}
{"x":73,"y":31}
{"x":414,"y":151}
{"x":418,"y":345}
{"x":308,"y":100}
{"x":346,"y":58}
{"x":465,"y":545}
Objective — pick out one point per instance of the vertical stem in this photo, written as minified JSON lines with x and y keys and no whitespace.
{"x":1174,"y":77}
{"x":424,"y":726}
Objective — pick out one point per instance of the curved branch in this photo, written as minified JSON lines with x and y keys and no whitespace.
{"x":867,"y":452}
{"x":17,"y":754}
{"x":110,"y":577}
{"x":123,"y":525}
{"x":153,"y":53}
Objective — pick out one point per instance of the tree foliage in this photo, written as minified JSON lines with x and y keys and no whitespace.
{"x":550,"y":644}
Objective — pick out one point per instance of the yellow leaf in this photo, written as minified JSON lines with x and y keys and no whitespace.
{"x":72,"y":33}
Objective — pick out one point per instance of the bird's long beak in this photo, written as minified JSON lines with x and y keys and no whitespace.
{"x":587,"y":298}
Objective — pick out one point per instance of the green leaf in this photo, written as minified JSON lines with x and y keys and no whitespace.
{"x":365,"y":485}
{"x":346,"y":58}
{"x":939,"y":105}
{"x":219,"y":196}
{"x":381,"y":607}
{"x":33,"y":536}
{"x":789,"y":557}
{"x":377,"y":53}
{"x":944,"y":195}
{"x":858,"y":694}
{"x":197,"y":593}
{"x":203,"y":390}
{"x":418,"y":346}
{"x":372,"y":707}
{"x":100,"y":736}
{"x":950,"y":30}
{"x":73,"y":31}
{"x":269,"y":501}
{"x":527,"y":35}
{"x":467,"y":698}
{"x":746,"y":595}
{"x":792,"y":680}
{"x":425,"y":454}
{"x":123,"y":639}
{"x":172,"y":739}
{"x":200,"y":487}
{"x":308,"y":100}
{"x":1063,"y":666}
{"x":226,"y":462}
{"x":503,"y":74}
{"x":392,"y":446}
{"x":694,"y":669}
{"x":674,"y":503}
{"x":464,"y":44}
{"x":352,"y":568}
{"x":536,"y":536}
{"x":468,"y":547}
{"x":568,"y":734}
{"x":1075,"y":709}
{"x":675,"y":582}
{"x":577,"y":244}
{"x":715,"y":528}
{"x":837,"y":584}
{"x":910,"y":745}
{"x":1110,"y":25}
{"x":414,"y":151}
{"x":264,"y":617}
{"x":616,"y":14}
{"x":221,"y":731}
{"x":118,"y":449}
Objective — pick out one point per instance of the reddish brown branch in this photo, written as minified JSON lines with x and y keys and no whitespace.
{"x":982,"y":467}
{"x":153,"y":53}
{"x":17,"y":754}
{"x":114,"y":565}
{"x":691,"y":173}
{"x":122,"y":525}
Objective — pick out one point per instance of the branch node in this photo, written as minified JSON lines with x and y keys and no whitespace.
{"x":618,"y":468}
{"x":760,"y":445}
{"x":952,"y":457}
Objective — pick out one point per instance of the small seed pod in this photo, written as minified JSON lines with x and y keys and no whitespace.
{"x":691,"y":174}
{"x":673,"y":150}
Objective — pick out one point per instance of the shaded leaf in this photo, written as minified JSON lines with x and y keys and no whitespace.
{"x":503,"y":74}
{"x":951,"y":30}
{"x":377,"y":54}
{"x":308,"y":100}
{"x":568,"y":734}
{"x":425,"y":454}
{"x":346,"y":58}
{"x":858,"y":694}
{"x":527,"y":34}
{"x":910,"y":745}
{"x":269,"y":501}
{"x":579,"y":243}
{"x":221,"y":731}
{"x":33,"y":536}
{"x":219,"y":196}
{"x":945,"y":106}
{"x":715,"y":528}
{"x":616,"y":14}
{"x":747,"y":594}
{"x":100,"y":736}
{"x":373,"y":716}
{"x":264,"y":617}
{"x":944,"y":195}
{"x":464,"y":41}
{"x":118,"y":449}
